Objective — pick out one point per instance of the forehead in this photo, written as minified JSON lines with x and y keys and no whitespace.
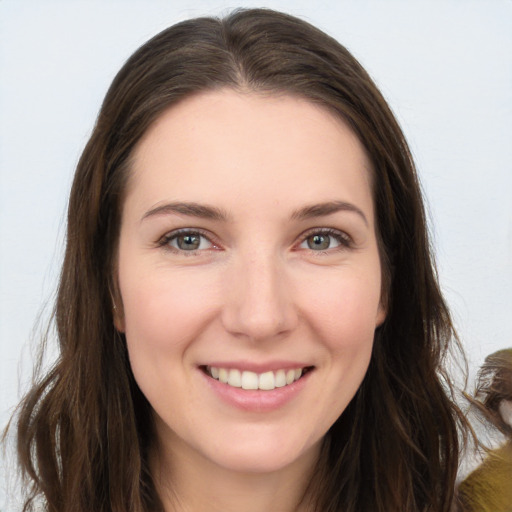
{"x":231,"y":143}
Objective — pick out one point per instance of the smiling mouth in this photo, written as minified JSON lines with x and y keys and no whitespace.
{"x":266,"y":381}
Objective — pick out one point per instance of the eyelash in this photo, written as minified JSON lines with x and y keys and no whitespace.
{"x":344,"y":240}
{"x":165,"y":241}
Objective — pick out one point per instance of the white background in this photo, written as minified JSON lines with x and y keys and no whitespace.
{"x":444,"y":66}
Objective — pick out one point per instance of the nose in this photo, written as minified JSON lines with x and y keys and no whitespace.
{"x":259,"y":299}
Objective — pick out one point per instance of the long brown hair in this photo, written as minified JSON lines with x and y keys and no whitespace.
{"x":84,"y":431}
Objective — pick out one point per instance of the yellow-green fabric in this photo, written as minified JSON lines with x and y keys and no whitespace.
{"x":489,"y":487}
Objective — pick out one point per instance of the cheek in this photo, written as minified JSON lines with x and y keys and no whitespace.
{"x":345,"y":308}
{"x":163,"y":317}
{"x":343,"y":316}
{"x":164,"y":312}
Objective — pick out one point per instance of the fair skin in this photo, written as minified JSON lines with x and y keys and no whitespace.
{"x":247,"y":257}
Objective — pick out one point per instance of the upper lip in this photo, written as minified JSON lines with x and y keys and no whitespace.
{"x":258,"y":367}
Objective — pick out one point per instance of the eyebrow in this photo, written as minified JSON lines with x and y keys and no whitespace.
{"x":213,"y":213}
{"x":189,"y":209}
{"x":328,"y":208}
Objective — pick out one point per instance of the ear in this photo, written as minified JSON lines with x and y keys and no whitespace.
{"x":118,"y":316}
{"x":117,"y":306}
{"x":381,"y":315}
{"x":385,"y":286}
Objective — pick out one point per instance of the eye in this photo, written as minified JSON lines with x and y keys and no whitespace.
{"x":186,"y":241}
{"x":324,"y":240}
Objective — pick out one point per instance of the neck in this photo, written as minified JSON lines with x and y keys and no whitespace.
{"x":188,"y":482}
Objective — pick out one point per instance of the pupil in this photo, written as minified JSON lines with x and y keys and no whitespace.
{"x":188,"y":242}
{"x":318,"y":242}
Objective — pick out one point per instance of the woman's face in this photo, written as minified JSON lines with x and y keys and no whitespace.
{"x":248,"y":259}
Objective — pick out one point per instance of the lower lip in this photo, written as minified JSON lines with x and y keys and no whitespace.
{"x":255,"y":400}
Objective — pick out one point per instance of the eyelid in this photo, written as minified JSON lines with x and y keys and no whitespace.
{"x":164,"y":240}
{"x":344,"y":239}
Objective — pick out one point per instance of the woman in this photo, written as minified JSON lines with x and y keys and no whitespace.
{"x":248,"y":313}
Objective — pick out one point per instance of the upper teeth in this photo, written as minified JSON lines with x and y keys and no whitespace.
{"x":251,"y":380}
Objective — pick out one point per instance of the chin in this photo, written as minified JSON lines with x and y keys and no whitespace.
{"x":264,"y":456}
